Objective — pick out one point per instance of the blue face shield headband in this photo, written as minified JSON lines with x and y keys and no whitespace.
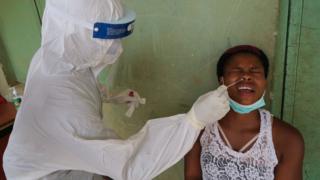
{"x":245,"y":109}
{"x":117,"y":29}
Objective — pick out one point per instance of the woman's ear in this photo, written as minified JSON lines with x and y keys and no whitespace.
{"x":221,"y":80}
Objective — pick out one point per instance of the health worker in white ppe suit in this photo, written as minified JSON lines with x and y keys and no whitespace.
{"x":59,"y":133}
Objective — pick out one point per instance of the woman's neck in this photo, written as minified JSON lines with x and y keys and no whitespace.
{"x":241,"y":121}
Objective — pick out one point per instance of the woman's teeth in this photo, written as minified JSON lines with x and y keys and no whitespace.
{"x":245,"y":88}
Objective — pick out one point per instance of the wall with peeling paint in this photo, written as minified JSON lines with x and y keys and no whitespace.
{"x":170,"y":58}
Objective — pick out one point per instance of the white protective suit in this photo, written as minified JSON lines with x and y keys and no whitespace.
{"x":59,"y":133}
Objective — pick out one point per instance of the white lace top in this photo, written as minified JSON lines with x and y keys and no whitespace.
{"x":220,"y":162}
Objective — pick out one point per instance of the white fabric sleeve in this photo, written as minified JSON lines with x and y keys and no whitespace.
{"x":158,"y":145}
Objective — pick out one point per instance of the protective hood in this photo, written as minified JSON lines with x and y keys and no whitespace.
{"x":68,"y":43}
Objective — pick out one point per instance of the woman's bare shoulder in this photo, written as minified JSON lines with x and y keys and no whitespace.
{"x":286,"y":136}
{"x":285,"y":130}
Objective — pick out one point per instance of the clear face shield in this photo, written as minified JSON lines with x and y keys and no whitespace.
{"x":109,"y":34}
{"x":85,"y":34}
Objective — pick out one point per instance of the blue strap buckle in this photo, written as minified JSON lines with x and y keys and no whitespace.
{"x":112,"y":31}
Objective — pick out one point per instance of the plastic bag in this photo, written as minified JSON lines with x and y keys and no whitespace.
{"x":128,"y":96}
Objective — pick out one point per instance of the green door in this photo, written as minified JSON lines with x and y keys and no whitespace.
{"x":300,"y":83}
{"x":302,"y":103}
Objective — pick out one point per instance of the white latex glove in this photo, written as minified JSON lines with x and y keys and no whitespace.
{"x":209,"y":108}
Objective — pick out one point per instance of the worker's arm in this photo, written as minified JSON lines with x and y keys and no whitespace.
{"x":157,"y":146}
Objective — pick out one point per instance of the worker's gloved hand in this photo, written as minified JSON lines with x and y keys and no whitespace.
{"x":209,"y":108}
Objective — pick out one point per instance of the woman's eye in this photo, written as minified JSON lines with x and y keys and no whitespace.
{"x":235,"y":70}
{"x":256,"y":70}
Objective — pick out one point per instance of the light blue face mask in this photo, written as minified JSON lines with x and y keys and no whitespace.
{"x":245,"y":109}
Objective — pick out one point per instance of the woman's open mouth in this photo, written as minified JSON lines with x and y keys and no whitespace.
{"x":245,"y":89}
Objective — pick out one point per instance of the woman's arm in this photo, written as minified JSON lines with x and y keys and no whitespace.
{"x":192,"y":167}
{"x":291,"y":148}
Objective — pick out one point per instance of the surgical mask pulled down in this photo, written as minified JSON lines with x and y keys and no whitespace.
{"x":244,"y":109}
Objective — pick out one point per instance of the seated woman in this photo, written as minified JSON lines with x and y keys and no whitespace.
{"x":248,"y":142}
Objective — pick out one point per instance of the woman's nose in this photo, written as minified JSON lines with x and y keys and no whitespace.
{"x":246,"y":76}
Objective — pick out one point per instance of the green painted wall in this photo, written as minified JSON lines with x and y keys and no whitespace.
{"x":170,"y":58}
{"x":301,"y":102}
{"x":19,"y":37}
